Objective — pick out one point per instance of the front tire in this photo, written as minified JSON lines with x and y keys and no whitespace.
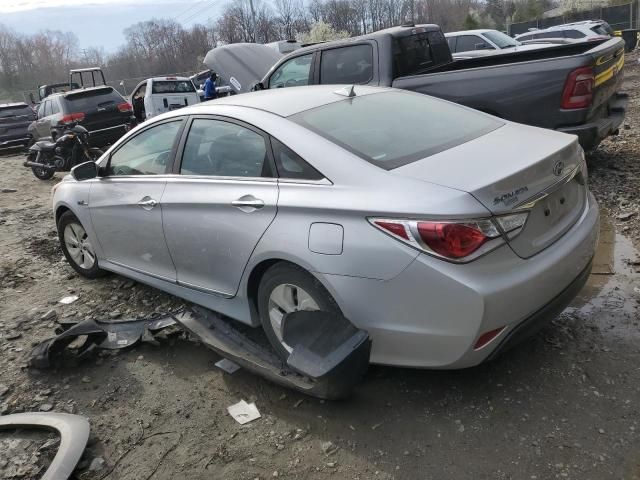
{"x":286,"y":288}
{"x":77,"y":247}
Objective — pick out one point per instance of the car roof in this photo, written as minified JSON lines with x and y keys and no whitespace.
{"x":169,"y":79}
{"x":468,"y":32}
{"x":13,"y":105}
{"x":285,"y":102}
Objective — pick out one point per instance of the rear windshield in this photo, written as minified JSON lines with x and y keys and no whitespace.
{"x":16,"y":111}
{"x":91,"y":99}
{"x":395,"y":128}
{"x":603,"y":29}
{"x":415,"y":54}
{"x":173,"y":86}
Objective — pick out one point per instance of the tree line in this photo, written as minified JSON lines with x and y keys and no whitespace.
{"x":162,"y":46}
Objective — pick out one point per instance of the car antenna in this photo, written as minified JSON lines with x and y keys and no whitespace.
{"x":347,"y":91}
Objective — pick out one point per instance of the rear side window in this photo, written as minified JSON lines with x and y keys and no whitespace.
{"x":172,"y":86}
{"x":467,"y":43}
{"x":55,"y":108}
{"x":47,"y":108}
{"x":553,"y":34}
{"x":91,"y":100}
{"x":524,"y":38}
{"x":353,"y":64}
{"x":574,"y":34}
{"x":417,"y":53}
{"x":421,"y":126}
{"x":223,"y":149}
{"x":291,"y":165}
{"x":451,"y":41}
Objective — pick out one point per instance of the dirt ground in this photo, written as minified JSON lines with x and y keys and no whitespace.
{"x":564,"y":405}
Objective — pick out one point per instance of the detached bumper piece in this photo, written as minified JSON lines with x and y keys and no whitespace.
{"x":330,"y":356}
{"x":102,"y":335}
{"x":74,"y":434}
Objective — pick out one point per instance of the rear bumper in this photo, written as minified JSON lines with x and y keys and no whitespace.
{"x":106,"y":136}
{"x":15,"y":141}
{"x":591,"y":134}
{"x":538,"y":320}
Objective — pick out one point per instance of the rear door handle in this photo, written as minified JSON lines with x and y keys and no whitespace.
{"x":147,"y":203}
{"x":248,"y":203}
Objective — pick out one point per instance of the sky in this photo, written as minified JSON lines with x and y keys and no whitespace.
{"x":101,"y":22}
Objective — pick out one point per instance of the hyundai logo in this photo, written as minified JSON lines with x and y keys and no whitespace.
{"x":558,"y":168}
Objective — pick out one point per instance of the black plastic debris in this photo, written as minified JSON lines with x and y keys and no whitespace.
{"x":329,"y":358}
{"x":101,"y":335}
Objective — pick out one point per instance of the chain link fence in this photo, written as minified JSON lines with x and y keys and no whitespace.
{"x":620,"y":17}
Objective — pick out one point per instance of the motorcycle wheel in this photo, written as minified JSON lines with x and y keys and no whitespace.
{"x":40,"y":173}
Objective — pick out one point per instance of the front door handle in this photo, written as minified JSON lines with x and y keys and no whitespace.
{"x":147,"y":203}
{"x":248,"y":203}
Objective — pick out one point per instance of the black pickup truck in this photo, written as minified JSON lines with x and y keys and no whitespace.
{"x":569,"y":88}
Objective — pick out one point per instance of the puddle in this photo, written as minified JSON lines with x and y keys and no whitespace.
{"x":609,"y":298}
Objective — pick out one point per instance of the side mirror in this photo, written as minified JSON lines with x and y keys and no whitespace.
{"x":85,"y":171}
{"x":257,"y":87}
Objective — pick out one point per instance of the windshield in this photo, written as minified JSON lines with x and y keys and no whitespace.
{"x":502,"y":40}
{"x":395,"y":128}
{"x":171,"y":86}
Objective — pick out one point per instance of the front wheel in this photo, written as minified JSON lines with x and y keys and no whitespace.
{"x":40,"y":172}
{"x":77,"y":247}
{"x":286,"y":288}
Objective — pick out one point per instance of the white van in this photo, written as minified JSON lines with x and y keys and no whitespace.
{"x":157,"y":95}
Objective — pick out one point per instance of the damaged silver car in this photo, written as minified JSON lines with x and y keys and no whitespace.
{"x":445,"y":233}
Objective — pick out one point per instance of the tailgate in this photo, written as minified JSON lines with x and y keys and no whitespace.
{"x":608,"y":63}
{"x":100,"y":108}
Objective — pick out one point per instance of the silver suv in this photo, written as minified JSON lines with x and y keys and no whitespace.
{"x":589,"y":30}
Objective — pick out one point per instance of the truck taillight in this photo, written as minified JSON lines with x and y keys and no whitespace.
{"x":578,"y":89}
{"x":71,"y":118}
{"x":125,"y":107}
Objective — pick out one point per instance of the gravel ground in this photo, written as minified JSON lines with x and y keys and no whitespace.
{"x":563,"y":405}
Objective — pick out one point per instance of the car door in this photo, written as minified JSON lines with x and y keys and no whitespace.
{"x":292,"y":73}
{"x":42,"y":125}
{"x":220,"y":203}
{"x":125,"y":203}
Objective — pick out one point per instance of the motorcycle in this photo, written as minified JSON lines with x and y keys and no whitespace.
{"x":69,"y":149}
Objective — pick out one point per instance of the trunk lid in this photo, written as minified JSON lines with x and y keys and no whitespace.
{"x":99,"y":105}
{"x":512,"y":168}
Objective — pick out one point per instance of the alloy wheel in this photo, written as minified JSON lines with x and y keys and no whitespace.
{"x":79,"y":247}
{"x":287,"y":298}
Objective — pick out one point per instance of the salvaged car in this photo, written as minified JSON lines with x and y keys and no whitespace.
{"x":15,"y":119}
{"x":445,"y":233}
{"x":157,"y":95}
{"x":101,"y":110}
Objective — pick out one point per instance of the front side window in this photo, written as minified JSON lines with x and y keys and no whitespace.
{"x":422,"y":126}
{"x":292,"y":73}
{"x":467,"y":43}
{"x":223,"y":149}
{"x":353,"y":64}
{"x":147,"y":153}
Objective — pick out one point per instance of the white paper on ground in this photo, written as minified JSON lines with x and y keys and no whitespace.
{"x":243,"y":412}
{"x":68,"y":300}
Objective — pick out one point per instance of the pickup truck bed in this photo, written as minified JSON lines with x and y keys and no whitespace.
{"x":571,"y":88}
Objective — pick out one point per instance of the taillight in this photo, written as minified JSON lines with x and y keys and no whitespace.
{"x":578,"y":89}
{"x":125,"y":107}
{"x":451,"y":240}
{"x":487,"y":337}
{"x":457,"y":241}
{"x":72,"y":117}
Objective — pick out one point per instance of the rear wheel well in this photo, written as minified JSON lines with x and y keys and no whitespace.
{"x":253,"y":283}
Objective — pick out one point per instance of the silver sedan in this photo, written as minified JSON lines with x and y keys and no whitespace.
{"x":445,"y":233}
